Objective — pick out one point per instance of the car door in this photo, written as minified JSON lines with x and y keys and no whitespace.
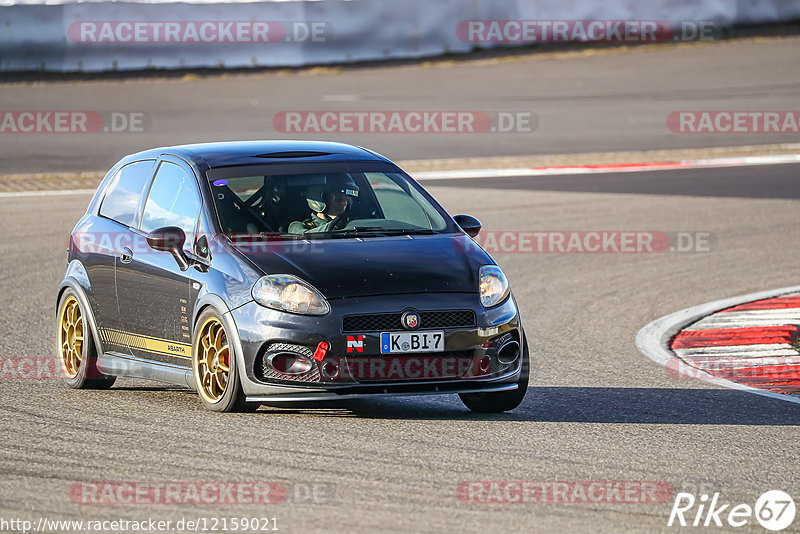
{"x":104,"y":242}
{"x":152,"y":291}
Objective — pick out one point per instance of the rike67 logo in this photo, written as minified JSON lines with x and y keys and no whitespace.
{"x":774,"y":510}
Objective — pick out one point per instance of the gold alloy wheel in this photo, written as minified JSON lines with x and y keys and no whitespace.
{"x":212,"y":360}
{"x":70,"y":337}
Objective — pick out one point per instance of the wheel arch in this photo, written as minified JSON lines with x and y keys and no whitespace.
{"x":217,"y":303}
{"x":70,"y":282}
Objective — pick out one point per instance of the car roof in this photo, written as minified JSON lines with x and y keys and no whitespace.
{"x":224,"y":154}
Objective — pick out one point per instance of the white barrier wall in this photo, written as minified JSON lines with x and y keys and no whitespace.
{"x":102,"y":36}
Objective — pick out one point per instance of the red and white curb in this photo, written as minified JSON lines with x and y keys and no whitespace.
{"x":746,"y":343}
{"x":609,"y":168}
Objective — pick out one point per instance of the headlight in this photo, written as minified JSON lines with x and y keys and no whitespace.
{"x":288,"y":293}
{"x":493,"y":285}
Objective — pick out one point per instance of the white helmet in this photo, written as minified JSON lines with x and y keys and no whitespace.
{"x":334,"y":183}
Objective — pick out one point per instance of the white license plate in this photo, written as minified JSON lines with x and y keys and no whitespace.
{"x":396,"y":342}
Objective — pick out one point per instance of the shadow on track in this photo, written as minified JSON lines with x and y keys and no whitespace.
{"x":547,"y":405}
{"x":154,"y":388}
{"x":578,"y":405}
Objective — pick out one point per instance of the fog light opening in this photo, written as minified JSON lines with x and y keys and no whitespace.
{"x":508,"y":353}
{"x":290,"y":364}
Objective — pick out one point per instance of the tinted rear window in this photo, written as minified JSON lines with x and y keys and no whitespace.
{"x":121,"y":202}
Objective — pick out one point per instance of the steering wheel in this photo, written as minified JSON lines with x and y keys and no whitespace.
{"x":341,"y":221}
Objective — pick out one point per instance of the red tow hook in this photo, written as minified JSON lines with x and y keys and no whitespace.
{"x":322,"y":348}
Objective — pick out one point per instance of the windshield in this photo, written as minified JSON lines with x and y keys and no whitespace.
{"x":321,"y":204}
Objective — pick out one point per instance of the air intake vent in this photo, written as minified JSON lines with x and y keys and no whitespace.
{"x":292,"y":154}
{"x":386,"y":322}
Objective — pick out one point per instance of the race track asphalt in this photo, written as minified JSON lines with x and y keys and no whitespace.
{"x":597,"y":410}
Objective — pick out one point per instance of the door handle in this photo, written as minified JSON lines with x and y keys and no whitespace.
{"x":126,"y":255}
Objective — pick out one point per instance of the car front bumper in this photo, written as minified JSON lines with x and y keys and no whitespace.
{"x":469,"y":362}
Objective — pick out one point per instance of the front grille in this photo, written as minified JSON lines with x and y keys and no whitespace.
{"x":447,"y":319}
{"x":391,"y":322}
{"x":371,"y":323}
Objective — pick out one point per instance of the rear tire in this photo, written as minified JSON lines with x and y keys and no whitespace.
{"x":501,"y":401}
{"x":216,"y":376}
{"x":76,"y":353}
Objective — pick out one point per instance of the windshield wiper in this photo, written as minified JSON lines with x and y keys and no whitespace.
{"x":379,"y":230}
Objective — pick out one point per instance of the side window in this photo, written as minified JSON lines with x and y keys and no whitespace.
{"x":173,"y":201}
{"x":121,"y":202}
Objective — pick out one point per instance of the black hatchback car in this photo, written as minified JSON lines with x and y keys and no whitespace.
{"x":274,"y":271}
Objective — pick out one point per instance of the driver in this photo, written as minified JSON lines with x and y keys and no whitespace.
{"x":327,"y":203}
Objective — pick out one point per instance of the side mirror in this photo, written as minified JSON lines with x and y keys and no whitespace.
{"x":170,"y":239}
{"x":469,"y":224}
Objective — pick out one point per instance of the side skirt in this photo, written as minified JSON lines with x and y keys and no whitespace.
{"x":112,"y":363}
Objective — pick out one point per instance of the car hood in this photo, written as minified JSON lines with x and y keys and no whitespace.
{"x":351,"y":267}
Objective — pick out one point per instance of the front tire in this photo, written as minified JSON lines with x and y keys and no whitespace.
{"x":501,"y":401}
{"x":75,"y":348}
{"x":216,"y":377}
